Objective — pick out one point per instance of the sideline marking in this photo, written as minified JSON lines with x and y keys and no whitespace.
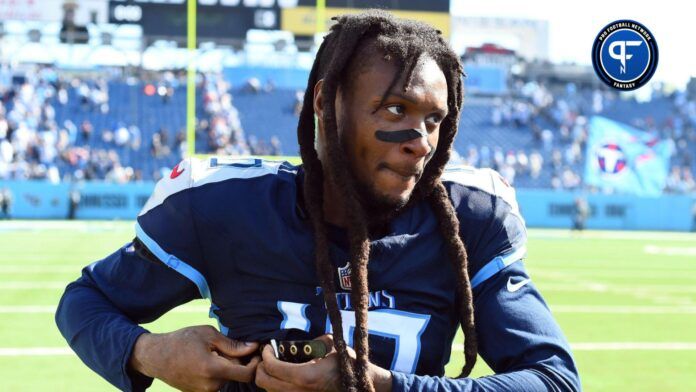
{"x":587,"y":346}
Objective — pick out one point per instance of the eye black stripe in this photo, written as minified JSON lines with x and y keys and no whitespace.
{"x":401,"y":136}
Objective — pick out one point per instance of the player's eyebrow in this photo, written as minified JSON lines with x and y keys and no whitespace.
{"x":402,"y":96}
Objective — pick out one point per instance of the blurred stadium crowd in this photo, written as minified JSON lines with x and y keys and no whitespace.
{"x":63,"y":125}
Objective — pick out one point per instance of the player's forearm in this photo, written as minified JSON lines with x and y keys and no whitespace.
{"x":99,"y":334}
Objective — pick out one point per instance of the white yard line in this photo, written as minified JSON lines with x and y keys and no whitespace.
{"x":35,"y":351}
{"x":589,"y":346}
{"x":38,"y":225}
{"x":40,"y":269}
{"x":50,"y":309}
{"x":32,"y":285}
{"x":617,"y":235}
{"x":614,"y":309}
{"x":670,"y":250}
{"x":615,"y":288}
{"x":622,"y":346}
{"x":612,"y":273}
{"x":600,"y":309}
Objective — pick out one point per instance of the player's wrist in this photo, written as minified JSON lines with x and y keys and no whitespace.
{"x":381,"y":378}
{"x":139,"y":361}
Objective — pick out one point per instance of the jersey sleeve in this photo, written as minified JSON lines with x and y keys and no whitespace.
{"x":99,"y":313}
{"x":168,"y":227}
{"x":491,"y":225}
{"x":517,"y":337}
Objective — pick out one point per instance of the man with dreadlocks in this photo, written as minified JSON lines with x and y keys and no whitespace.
{"x":370,"y":245}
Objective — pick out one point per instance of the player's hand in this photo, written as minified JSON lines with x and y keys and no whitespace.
{"x":321,"y":374}
{"x":194,"y":358}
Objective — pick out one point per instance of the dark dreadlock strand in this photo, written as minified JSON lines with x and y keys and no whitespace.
{"x":449,"y":224}
{"x":313,"y":193}
{"x":457,"y":252}
{"x":404,"y":42}
{"x":349,"y":37}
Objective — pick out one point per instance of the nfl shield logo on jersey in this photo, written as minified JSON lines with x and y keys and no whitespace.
{"x":344,"y":276}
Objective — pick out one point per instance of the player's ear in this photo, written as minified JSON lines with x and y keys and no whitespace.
{"x":318,"y":102}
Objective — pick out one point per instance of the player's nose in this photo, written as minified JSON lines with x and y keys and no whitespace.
{"x":416,"y":148}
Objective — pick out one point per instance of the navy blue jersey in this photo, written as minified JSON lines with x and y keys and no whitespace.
{"x":234,"y":231}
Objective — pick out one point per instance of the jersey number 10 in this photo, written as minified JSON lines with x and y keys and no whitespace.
{"x":405,"y":328}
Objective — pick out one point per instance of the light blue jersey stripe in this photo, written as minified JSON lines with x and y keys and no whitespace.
{"x":174,"y":262}
{"x":184,"y":269}
{"x":497,"y":264}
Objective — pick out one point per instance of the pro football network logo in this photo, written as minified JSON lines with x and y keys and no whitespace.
{"x":624,"y":55}
{"x":344,"y":276}
{"x":611,"y":159}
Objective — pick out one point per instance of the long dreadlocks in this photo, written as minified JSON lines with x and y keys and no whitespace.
{"x":404,"y":42}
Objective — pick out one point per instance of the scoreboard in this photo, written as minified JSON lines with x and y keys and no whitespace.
{"x":231,"y":19}
{"x":222,"y":19}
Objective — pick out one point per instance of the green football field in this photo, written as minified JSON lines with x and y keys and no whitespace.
{"x":626,"y":301}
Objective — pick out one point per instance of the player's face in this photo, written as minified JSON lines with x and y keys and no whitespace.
{"x":387,"y":168}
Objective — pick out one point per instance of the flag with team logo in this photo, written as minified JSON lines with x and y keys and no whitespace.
{"x":623,"y":159}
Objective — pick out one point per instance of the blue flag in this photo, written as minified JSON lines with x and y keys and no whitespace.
{"x":623,"y":159}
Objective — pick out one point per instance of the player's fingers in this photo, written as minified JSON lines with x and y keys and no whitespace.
{"x":272,"y":384}
{"x":254,"y":362}
{"x":233,"y":348}
{"x":228,"y":370}
{"x":267,"y":354}
{"x":295,"y":373}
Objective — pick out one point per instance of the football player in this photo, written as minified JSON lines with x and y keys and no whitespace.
{"x":370,"y":245}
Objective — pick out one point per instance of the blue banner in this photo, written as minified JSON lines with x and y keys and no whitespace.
{"x":626,"y":160}
{"x":36,"y":199}
{"x":540,"y":208}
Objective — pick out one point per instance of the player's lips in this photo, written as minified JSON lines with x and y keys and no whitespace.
{"x":406,"y":173}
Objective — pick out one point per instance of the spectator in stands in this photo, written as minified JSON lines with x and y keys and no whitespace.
{"x":276,"y":148}
{"x":253,"y":85}
{"x":165,"y":92}
{"x":299,"y":98}
{"x":508,"y":173}
{"x":121,"y":136}
{"x":536,"y":163}
{"x":86,"y":130}
{"x":100,"y":96}
{"x":135,"y":137}
{"x":62,"y":94}
{"x":119,"y":174}
{"x":547,"y":139}
{"x":159,"y":149}
{"x":673,"y":183}
{"x":522,"y":160}
{"x":687,"y":184}
{"x":472,"y":157}
{"x":84,"y":95}
{"x":569,"y":179}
